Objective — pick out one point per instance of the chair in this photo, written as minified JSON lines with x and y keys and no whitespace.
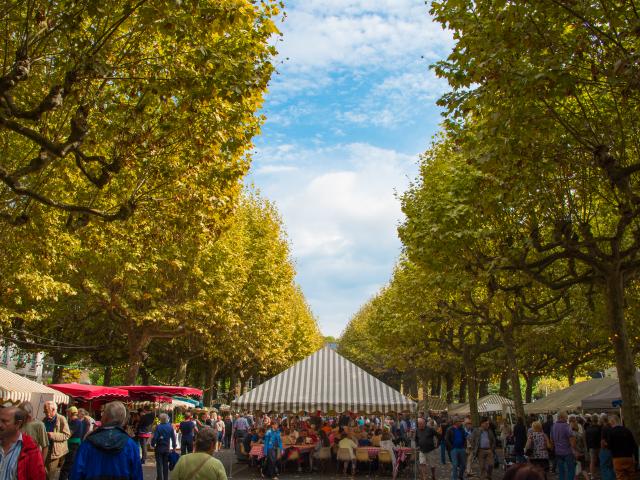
{"x":343,"y":455}
{"x":324,"y":456}
{"x":385,"y":458}
{"x":291,"y":455}
{"x":362,"y":456}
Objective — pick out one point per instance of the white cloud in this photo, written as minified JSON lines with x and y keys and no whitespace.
{"x":269,"y":169}
{"x":341,"y":214}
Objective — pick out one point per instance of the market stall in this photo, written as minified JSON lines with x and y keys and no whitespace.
{"x":570,"y":398}
{"x":326,"y":382}
{"x":608,"y":398}
{"x":15,"y":388}
{"x":487,"y":405}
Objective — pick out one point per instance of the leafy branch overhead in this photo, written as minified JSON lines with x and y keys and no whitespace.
{"x":95,"y":99}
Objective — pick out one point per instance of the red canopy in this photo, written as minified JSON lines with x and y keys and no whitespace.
{"x":91,"y":392}
{"x":146,"y":391}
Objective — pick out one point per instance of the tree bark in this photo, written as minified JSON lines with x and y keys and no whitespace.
{"x":571,"y":374}
{"x":470,"y":369}
{"x":504,"y":385}
{"x":529,"y":388}
{"x":108,"y":373}
{"x":448,"y":385}
{"x":512,"y":369}
{"x":138,"y":341}
{"x":56,"y":376}
{"x":623,"y":353}
{"x":144,"y":376}
{"x":483,"y":387}
{"x":181,"y":371}
{"x":462,"y":392}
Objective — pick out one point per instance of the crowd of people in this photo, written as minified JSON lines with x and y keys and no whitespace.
{"x":77,"y":447}
{"x":571,"y":446}
{"x":575,"y":447}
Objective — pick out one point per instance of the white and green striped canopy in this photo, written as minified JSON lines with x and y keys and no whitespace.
{"x":327,"y":382}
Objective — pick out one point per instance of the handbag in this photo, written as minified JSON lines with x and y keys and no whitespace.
{"x":173,"y":459}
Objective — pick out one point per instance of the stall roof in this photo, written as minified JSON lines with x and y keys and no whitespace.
{"x":91,"y":392}
{"x":141,"y":391}
{"x":16,"y":388}
{"x":486,"y":404}
{"x":327,"y":382}
{"x":606,"y":398}
{"x":569,"y":398}
{"x":435,"y":404}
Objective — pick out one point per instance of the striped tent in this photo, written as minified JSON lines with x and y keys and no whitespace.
{"x":16,"y":388}
{"x":327,"y":382}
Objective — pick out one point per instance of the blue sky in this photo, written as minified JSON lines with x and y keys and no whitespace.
{"x":349,"y":111}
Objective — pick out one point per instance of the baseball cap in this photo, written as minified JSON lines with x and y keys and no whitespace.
{"x":72,"y":409}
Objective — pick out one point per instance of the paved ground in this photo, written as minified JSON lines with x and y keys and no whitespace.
{"x":242,"y":471}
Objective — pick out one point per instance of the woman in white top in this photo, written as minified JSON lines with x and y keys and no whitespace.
{"x":387,"y":444}
{"x":219,"y":426}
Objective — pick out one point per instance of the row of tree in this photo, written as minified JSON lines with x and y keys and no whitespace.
{"x":522,"y":231}
{"x":127,"y":241}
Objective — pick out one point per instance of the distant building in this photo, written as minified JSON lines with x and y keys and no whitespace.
{"x":27,"y":364}
{"x":332,"y":345}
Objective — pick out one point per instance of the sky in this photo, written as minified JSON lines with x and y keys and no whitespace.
{"x":351,"y":107}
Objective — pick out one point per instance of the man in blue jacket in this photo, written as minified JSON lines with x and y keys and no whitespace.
{"x":108,"y":453}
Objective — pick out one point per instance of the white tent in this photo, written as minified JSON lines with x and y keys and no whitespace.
{"x":569,"y":398}
{"x":327,"y":382}
{"x":15,"y":389}
{"x":487,"y":404}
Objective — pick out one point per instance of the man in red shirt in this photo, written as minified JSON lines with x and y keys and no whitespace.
{"x":20,"y":456}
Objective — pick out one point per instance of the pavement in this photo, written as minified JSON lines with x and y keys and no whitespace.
{"x":242,"y":471}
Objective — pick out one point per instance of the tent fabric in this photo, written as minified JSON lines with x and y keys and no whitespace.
{"x":604,"y":399}
{"x":569,"y":398}
{"x":16,"y":388}
{"x":91,"y":392}
{"x":327,"y":382}
{"x":141,"y":391}
{"x":435,"y":404}
{"x":486,"y":404}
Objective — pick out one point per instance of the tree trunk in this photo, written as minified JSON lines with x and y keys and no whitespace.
{"x":470,"y":370}
{"x":571,"y":374}
{"x":138,"y":341}
{"x":181,"y":371}
{"x":483,"y":388}
{"x":210,"y":392}
{"x":529,"y":388}
{"x":144,"y":376}
{"x":623,"y":353}
{"x":108,"y":373}
{"x":504,"y":385}
{"x":56,"y":376}
{"x":434,"y":387}
{"x":448,"y":385}
{"x":462,"y":392}
{"x":512,"y":369}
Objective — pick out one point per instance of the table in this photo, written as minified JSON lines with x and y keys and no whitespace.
{"x":258,"y":450}
{"x":400,"y":454}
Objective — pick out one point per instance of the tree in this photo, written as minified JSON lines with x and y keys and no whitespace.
{"x":568,"y":69}
{"x":95,"y":98}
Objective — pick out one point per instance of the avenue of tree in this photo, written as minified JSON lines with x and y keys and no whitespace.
{"x":127,"y":242}
{"x":522,"y":231}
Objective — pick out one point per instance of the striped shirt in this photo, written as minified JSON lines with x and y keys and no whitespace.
{"x":9,"y":460}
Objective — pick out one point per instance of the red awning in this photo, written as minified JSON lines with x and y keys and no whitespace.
{"x":146,"y":391}
{"x":91,"y":392}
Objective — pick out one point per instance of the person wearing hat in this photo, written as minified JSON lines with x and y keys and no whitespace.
{"x":77,"y":427}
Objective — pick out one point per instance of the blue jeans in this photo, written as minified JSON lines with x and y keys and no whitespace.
{"x":606,"y":464}
{"x":458,"y":463}
{"x":566,"y":466}
{"x":162,"y":464}
{"x":443,"y":452}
